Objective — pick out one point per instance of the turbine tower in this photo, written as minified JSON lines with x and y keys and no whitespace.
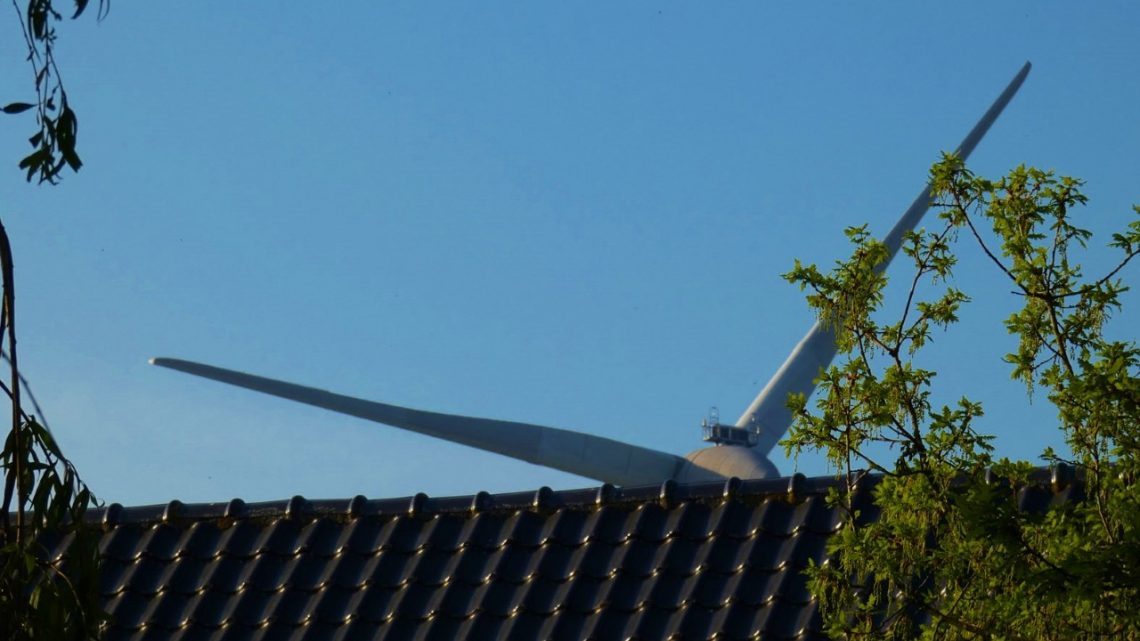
{"x":740,"y":450}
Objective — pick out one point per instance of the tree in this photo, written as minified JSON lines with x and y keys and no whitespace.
{"x":43,"y":597}
{"x":949,"y":554}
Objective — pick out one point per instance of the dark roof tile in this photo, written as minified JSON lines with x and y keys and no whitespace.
{"x":210,"y":610}
{"x":718,"y":560}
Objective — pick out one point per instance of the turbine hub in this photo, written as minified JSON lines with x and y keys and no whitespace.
{"x":726,"y":461}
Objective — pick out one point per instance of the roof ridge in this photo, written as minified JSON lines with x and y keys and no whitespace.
{"x":543,"y":499}
{"x":669,"y":493}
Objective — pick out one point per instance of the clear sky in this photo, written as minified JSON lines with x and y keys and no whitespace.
{"x":556,"y":213}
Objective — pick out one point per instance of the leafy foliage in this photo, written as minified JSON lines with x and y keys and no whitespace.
{"x":43,"y":597}
{"x":951,"y":555}
{"x":54,"y":142}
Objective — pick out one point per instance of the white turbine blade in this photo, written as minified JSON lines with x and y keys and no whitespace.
{"x":586,"y":455}
{"x":817,"y":349}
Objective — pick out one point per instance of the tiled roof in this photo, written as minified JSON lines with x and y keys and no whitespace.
{"x":708,"y":561}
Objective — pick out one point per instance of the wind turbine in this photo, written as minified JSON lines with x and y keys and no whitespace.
{"x":739,"y":450}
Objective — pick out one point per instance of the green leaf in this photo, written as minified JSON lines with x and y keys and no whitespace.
{"x":16,"y":107}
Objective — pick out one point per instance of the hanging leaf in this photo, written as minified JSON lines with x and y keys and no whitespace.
{"x":38,"y":19}
{"x":36,"y":161}
{"x":66,"y":131}
{"x":16,"y":108}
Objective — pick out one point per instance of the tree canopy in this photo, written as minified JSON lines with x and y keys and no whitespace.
{"x":950,"y":555}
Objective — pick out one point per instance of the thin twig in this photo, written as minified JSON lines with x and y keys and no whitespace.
{"x":28,"y":390}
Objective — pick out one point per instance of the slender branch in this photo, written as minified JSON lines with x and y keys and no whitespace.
{"x":982,"y":243}
{"x":1059,"y":336}
{"x":962,"y":590}
{"x":27,"y":390}
{"x":9,"y":313}
{"x":962,"y":624}
{"x":8,"y":391}
{"x":922,"y":270}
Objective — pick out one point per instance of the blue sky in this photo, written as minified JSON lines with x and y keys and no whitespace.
{"x":555,"y":213}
